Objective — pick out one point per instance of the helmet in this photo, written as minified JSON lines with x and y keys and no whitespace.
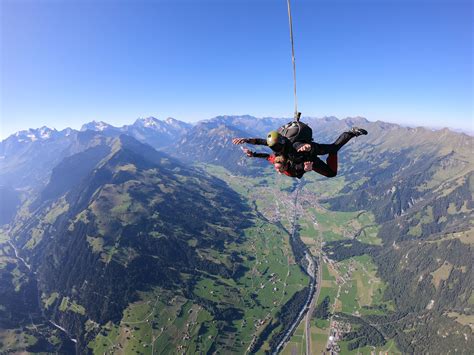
{"x":275,"y":140}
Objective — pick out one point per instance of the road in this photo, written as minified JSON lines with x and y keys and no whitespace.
{"x":304,"y":309}
{"x":311,"y":307}
{"x":313,"y":286}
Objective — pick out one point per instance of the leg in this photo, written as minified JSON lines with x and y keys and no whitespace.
{"x":322,"y":149}
{"x":328,"y":169}
{"x":343,"y":139}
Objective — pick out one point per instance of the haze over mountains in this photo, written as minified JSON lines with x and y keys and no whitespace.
{"x":129,"y":237}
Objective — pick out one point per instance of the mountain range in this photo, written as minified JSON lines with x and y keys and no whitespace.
{"x":100,"y":224}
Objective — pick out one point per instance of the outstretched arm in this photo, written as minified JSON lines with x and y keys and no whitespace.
{"x":251,"y":154}
{"x":254,"y":141}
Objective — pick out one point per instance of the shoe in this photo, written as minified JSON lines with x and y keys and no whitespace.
{"x":356,"y":131}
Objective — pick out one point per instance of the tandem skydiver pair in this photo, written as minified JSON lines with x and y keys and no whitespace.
{"x":297,"y":155}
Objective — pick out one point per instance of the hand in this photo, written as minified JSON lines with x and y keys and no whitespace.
{"x":305,"y":148}
{"x":308,"y":165}
{"x":239,"y":140}
{"x":248,"y":152}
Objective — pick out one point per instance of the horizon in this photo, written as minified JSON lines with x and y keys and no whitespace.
{"x":131,"y":122}
{"x":407,"y":63}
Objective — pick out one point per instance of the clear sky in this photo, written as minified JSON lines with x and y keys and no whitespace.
{"x":64,"y":63}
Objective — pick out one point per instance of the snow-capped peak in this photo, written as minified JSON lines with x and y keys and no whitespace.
{"x":67,"y":131}
{"x":96,"y":126}
{"x":32,"y":134}
{"x":149,"y":122}
{"x":101,"y":125}
{"x":45,"y":132}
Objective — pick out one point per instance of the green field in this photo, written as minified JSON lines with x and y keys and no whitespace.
{"x":389,"y":348}
{"x":363,"y":292}
{"x":319,"y":341}
{"x":16,"y":340}
{"x":3,"y":236}
{"x":158,"y":323}
{"x":297,"y":343}
{"x":161,"y":322}
{"x":308,"y":229}
{"x":326,"y":275}
{"x":322,"y":186}
{"x":327,"y":291}
{"x":321,"y":323}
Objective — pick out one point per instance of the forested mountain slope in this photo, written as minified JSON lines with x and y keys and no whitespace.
{"x":116,"y":220}
{"x":419,"y":185}
{"x":125,"y":247}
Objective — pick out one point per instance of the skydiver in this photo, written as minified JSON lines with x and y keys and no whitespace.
{"x":294,"y":159}
{"x":281,"y":164}
{"x":287,"y":167}
{"x":278,"y":143}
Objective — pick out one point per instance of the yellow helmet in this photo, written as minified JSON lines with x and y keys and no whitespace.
{"x":274,"y":139}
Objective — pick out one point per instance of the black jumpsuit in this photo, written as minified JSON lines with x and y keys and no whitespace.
{"x":297,"y":159}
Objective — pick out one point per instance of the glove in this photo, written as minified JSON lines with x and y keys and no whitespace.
{"x":248,"y":152}
{"x":240,"y":140}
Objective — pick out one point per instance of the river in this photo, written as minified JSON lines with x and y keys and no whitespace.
{"x":311,"y":270}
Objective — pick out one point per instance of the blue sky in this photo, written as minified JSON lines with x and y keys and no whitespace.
{"x":64,"y":63}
